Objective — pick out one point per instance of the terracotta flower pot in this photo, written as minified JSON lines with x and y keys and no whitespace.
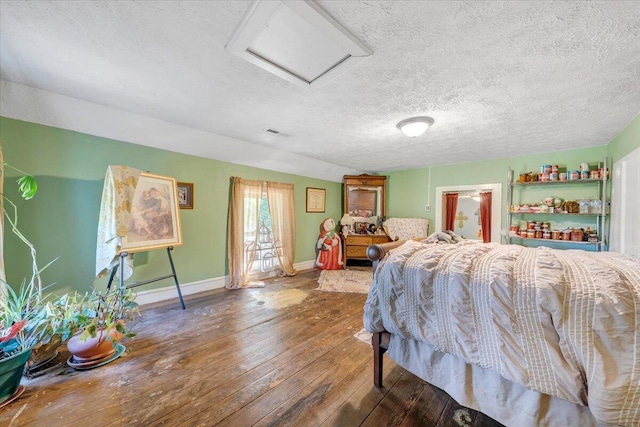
{"x":11,"y":370}
{"x":93,"y":348}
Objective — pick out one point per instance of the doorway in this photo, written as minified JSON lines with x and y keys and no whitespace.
{"x":467,"y":214}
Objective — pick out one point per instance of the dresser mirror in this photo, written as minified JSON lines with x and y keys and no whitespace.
{"x":364,"y":198}
{"x":364,"y":211}
{"x":364,"y":201}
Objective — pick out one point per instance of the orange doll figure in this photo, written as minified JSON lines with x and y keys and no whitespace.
{"x":329,"y":247}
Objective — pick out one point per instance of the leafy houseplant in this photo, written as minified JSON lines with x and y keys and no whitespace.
{"x":92,"y":323}
{"x":24,"y":314}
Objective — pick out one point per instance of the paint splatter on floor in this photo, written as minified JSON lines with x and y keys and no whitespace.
{"x":281,"y":299}
{"x":462,"y":417}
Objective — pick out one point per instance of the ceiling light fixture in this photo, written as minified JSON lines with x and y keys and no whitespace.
{"x":415,"y":126}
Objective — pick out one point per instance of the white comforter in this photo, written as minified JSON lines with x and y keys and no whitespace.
{"x":563,"y":323}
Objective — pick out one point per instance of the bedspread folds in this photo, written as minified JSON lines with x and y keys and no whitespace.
{"x":563,"y":323}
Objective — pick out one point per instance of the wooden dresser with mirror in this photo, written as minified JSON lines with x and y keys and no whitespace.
{"x":365,"y":205}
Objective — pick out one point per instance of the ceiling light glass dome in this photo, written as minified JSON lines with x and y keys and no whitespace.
{"x":415,"y":126}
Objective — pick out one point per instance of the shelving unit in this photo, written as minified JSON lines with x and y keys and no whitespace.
{"x":600,"y":224}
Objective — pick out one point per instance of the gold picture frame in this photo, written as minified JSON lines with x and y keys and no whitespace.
{"x":154,"y":221}
{"x":316,"y":200}
{"x":185,"y":195}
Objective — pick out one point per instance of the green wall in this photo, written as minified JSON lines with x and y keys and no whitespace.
{"x":408,"y":189}
{"x":626,"y":141}
{"x":62,"y":219}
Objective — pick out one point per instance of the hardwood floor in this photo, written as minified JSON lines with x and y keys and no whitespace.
{"x":281,"y":355}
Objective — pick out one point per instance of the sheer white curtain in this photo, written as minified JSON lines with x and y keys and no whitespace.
{"x":283,"y":220}
{"x":244,"y":214}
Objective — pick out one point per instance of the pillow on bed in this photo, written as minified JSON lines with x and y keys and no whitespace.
{"x":443,"y":237}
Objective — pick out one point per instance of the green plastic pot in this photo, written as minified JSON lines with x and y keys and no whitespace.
{"x":11,"y":370}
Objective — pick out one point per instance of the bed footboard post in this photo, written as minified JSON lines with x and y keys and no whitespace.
{"x":378,"y":351}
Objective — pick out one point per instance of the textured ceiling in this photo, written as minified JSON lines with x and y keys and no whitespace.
{"x":499,"y":78}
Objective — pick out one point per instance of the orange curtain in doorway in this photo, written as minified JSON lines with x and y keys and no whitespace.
{"x":451,"y":208}
{"x":485,"y":216}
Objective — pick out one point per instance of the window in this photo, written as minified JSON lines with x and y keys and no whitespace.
{"x":261,"y":229}
{"x":266,"y":248}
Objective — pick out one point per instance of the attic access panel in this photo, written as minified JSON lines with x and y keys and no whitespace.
{"x":297,"y":41}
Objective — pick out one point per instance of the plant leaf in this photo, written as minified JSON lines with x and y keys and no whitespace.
{"x":28,"y":186}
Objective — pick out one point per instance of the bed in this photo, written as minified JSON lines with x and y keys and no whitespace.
{"x":528,"y":336}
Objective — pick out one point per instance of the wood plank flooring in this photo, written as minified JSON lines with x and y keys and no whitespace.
{"x":283,"y":355}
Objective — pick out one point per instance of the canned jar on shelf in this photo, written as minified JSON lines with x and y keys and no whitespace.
{"x":577,"y":234}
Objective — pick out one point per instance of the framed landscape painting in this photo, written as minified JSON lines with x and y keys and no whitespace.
{"x":154,"y":222}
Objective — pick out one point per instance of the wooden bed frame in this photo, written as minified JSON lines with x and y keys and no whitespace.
{"x":380,"y":340}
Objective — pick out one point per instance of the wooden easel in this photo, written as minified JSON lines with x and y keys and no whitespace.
{"x":173,"y":274}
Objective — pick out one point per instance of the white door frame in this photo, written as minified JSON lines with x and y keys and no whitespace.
{"x":496,"y":204}
{"x":625,"y":205}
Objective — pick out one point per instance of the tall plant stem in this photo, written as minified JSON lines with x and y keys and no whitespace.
{"x":15,"y":168}
{"x":35,"y":272}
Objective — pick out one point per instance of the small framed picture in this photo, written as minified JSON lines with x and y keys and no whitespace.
{"x":315,"y":199}
{"x":185,"y":195}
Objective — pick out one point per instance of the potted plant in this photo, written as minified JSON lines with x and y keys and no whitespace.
{"x":24,"y":324}
{"x":24,"y":314}
{"x":93,"y":324}
{"x":30,"y":322}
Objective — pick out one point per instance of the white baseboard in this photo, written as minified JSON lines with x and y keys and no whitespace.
{"x":169,"y":292}
{"x":305,"y":265}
